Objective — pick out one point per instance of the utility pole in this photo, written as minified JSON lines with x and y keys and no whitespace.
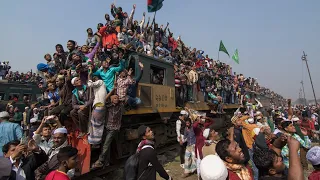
{"x":304,"y":94}
{"x":304,"y":58}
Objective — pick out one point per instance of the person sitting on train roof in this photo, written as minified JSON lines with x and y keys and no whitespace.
{"x":133,"y":100}
{"x":42,"y":136}
{"x":53,"y":96}
{"x":115,"y":110}
{"x":67,"y":158}
{"x":25,"y":159}
{"x":81,"y":102}
{"x":97,"y":118}
{"x":107,"y":73}
{"x":65,"y":93}
{"x":123,"y":82}
{"x":8,"y":131}
{"x":60,"y":140}
{"x":149,"y":156}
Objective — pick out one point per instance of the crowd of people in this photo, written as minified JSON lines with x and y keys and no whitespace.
{"x":260,"y":144}
{"x":93,"y":83}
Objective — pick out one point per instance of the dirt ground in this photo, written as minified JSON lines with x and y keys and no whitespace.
{"x":175,"y":171}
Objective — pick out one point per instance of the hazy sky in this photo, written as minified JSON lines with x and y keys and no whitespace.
{"x":270,"y":35}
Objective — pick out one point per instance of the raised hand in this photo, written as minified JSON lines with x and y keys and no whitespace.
{"x":130,"y":71}
{"x":141,"y":65}
{"x":134,"y":6}
{"x":293,"y":144}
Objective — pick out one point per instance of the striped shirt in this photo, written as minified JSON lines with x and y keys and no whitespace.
{"x":306,"y":143}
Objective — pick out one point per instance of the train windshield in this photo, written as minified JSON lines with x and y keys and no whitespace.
{"x":157,"y":75}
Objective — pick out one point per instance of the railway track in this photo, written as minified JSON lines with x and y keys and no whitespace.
{"x":120,"y":164}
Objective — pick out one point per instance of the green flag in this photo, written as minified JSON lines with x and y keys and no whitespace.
{"x":235,"y":56}
{"x":223,"y":49}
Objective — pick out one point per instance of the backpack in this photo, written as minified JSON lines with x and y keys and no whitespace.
{"x":131,"y":166}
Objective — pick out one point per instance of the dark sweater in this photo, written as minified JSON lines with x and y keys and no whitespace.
{"x":238,"y":137}
{"x":149,"y":165}
{"x":132,"y":89}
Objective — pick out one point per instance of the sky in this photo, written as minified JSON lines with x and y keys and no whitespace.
{"x":270,"y":35}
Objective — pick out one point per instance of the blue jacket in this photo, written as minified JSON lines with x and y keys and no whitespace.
{"x":108,"y":76}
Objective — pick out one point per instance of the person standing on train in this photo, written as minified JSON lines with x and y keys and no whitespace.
{"x":180,"y":127}
{"x":99,"y":110}
{"x":113,"y":124}
{"x":193,"y":78}
{"x":81,"y":101}
{"x":8,"y":131}
{"x":149,"y":164}
{"x":133,"y":100}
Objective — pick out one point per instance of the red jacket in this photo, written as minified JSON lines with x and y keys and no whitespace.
{"x":315,"y":175}
{"x":108,"y":40}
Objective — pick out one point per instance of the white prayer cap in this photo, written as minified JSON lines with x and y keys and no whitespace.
{"x":206,"y":133}
{"x":220,"y":171}
{"x":295,"y":118}
{"x":184,"y":112}
{"x":4,"y":114}
{"x":61,"y":130}
{"x":33,"y":120}
{"x":258,"y":117}
{"x":313,"y":155}
{"x":251,"y":120}
{"x":74,"y":80}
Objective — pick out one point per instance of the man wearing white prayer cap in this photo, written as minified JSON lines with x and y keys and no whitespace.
{"x":59,"y":141}
{"x":213,"y":168}
{"x":180,"y":127}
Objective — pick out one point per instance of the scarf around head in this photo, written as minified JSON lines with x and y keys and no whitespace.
{"x":240,"y":169}
{"x":143,"y":143}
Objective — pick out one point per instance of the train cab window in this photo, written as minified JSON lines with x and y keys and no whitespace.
{"x":2,"y":96}
{"x":27,"y":96}
{"x":13,"y":96}
{"x":157,"y":75}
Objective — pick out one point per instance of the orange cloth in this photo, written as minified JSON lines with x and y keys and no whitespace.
{"x":247,"y":131}
{"x":108,"y":40}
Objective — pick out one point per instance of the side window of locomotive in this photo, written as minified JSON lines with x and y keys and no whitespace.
{"x":2,"y":96}
{"x":14,"y":96}
{"x":157,"y":75}
{"x":27,"y":97}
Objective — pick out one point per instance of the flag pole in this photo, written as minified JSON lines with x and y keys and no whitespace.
{"x":218,"y":55}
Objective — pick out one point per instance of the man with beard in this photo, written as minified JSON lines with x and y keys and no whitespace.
{"x":71,"y":45}
{"x":65,"y":92}
{"x":148,"y":161}
{"x":234,"y":159}
{"x":59,"y":141}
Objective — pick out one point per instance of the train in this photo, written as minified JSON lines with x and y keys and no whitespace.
{"x":158,"y":110}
